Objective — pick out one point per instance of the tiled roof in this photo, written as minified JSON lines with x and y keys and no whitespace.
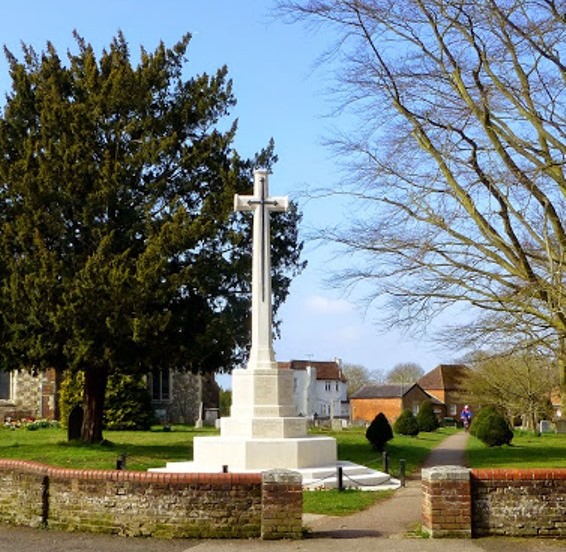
{"x":325,"y":369}
{"x":450,"y":377}
{"x":389,"y":391}
{"x":381,"y":391}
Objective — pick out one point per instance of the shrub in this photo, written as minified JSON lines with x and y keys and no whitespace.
{"x":491,"y":427}
{"x":406,"y":424}
{"x":426,"y":418}
{"x":128,"y":403}
{"x":379,"y":432}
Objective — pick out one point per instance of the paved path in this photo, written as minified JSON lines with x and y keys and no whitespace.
{"x":398,"y":515}
{"x":382,"y":527}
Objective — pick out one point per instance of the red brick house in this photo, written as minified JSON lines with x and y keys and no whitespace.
{"x":391,"y":399}
{"x":447,"y":383}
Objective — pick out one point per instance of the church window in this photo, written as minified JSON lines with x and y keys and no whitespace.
{"x":5,"y":385}
{"x":160,"y":384}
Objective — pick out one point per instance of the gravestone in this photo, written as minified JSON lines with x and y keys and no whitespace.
{"x":75,"y":423}
{"x":545,"y":426}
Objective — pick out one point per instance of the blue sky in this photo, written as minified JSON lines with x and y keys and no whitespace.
{"x":281,"y":95}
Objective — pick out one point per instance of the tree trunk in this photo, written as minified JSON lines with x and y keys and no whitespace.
{"x":562,"y":370}
{"x":94,"y":393}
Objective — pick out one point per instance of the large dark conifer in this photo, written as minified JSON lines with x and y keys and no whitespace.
{"x":119,"y":251}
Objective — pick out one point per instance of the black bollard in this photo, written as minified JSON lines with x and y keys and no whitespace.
{"x":385,"y":462}
{"x":121,"y":462}
{"x":340,"y":479}
{"x":402,"y":470}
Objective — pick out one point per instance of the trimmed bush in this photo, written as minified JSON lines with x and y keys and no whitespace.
{"x":426,"y":418}
{"x":379,"y":432}
{"x":406,"y":424}
{"x":491,"y":427}
{"x":127,"y":406}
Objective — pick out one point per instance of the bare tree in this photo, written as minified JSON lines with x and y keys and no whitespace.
{"x":358,"y":376}
{"x":519,"y":384}
{"x":459,"y":158}
{"x":405,"y":372}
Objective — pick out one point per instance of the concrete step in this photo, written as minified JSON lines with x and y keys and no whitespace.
{"x":354,"y":476}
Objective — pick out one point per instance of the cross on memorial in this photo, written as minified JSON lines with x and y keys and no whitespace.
{"x":261,"y":354}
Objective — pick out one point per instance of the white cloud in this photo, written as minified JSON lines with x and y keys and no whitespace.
{"x":326,"y":305}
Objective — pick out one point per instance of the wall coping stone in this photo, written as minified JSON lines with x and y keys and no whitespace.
{"x":443,"y":473}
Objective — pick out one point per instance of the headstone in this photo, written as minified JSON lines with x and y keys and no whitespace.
{"x":546,"y":426}
{"x":199,"y":421}
{"x":560,"y":425}
{"x":336,"y":424}
{"x":75,"y":423}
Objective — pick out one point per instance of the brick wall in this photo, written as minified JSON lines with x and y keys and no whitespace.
{"x":528,"y":502}
{"x":446,"y":502}
{"x":368,"y":409}
{"x":458,"y":502}
{"x":165,"y":505}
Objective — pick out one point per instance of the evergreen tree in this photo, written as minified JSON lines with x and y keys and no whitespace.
{"x":119,"y":250}
{"x":491,"y":427}
{"x":426,"y":418}
{"x":406,"y":424}
{"x":379,"y":432}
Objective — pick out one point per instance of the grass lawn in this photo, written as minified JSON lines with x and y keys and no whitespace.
{"x":144,"y":449}
{"x":353,"y":446}
{"x":526,"y":451}
{"x":147,"y":449}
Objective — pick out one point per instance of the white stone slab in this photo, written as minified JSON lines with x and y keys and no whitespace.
{"x":261,"y":454}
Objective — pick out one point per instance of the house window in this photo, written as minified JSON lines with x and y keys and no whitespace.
{"x":337,"y":387}
{"x":415,"y":409}
{"x":5,"y":385}
{"x":453,"y":409}
{"x":160,"y":384}
{"x":327,"y":386}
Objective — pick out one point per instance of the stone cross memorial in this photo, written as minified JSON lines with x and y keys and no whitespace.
{"x":263,"y":431}
{"x":261,"y":353}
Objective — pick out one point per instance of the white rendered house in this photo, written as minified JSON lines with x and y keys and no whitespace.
{"x":319,"y":388}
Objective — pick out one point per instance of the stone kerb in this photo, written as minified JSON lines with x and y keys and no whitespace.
{"x":446,"y":502}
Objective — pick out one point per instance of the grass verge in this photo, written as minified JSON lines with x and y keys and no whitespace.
{"x":526,"y":451}
{"x":144,"y":449}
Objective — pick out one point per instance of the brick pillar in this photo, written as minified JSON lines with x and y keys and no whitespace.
{"x":447,"y":502}
{"x":281,"y":505}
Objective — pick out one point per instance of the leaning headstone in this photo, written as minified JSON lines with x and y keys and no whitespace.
{"x":75,"y":423}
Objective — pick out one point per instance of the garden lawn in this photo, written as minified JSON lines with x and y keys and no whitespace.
{"x":526,"y":451}
{"x":353,"y":446}
{"x":148,"y":449}
{"x":143,"y":449}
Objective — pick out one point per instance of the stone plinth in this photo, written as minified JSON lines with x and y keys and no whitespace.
{"x":245,"y":454}
{"x":262,"y":393}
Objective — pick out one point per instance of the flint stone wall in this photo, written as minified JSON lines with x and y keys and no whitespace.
{"x":458,"y":502}
{"x":167,"y":505}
